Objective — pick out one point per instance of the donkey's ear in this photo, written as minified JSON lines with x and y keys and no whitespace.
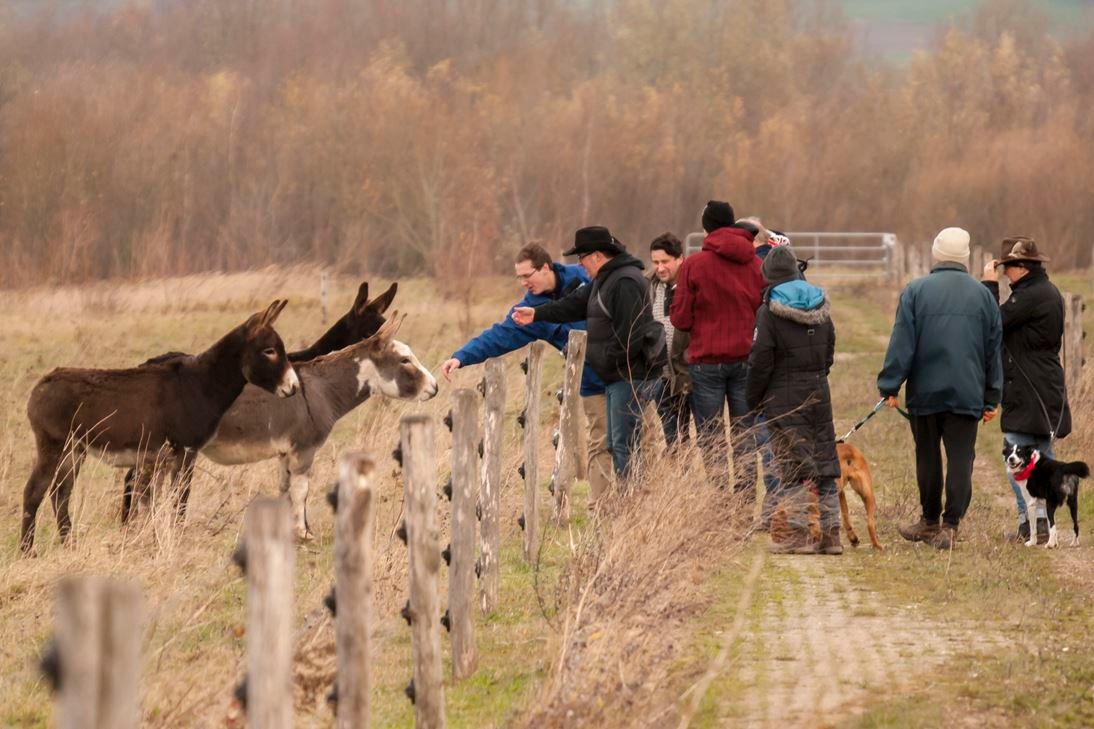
{"x":361,"y":301}
{"x":383,"y":301}
{"x":387,"y":330}
{"x":273,"y":311}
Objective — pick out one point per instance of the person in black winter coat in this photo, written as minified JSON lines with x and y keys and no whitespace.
{"x":626,"y":345}
{"x":1035,"y":407}
{"x":792,"y":352}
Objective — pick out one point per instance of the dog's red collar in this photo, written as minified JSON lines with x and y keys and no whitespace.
{"x":1025,"y":472}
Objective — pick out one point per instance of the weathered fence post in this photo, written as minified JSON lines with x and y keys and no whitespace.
{"x":324,"y":287}
{"x":1071,"y":351}
{"x":419,"y":473}
{"x":354,"y":521}
{"x":269,"y":554}
{"x":490,"y":499}
{"x":530,"y":415}
{"x":98,"y":641}
{"x":465,"y":496}
{"x":568,"y":425}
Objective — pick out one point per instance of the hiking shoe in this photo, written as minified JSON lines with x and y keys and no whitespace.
{"x":1020,"y":535}
{"x":796,"y":542}
{"x":946,"y":538}
{"x":921,"y":531}
{"x":830,"y":543}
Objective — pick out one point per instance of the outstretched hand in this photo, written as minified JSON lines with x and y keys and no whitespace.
{"x":448,"y":367}
{"x":524,"y":315}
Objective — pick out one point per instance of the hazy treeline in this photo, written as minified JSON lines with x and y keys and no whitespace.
{"x":406,"y":136}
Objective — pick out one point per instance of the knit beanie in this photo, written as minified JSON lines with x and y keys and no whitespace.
{"x":780,"y":265}
{"x":716,"y":215}
{"x":952,"y":244}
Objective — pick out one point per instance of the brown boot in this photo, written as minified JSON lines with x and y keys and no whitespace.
{"x":921,"y":531}
{"x":791,"y":541}
{"x":946,"y":538}
{"x":830,"y":543}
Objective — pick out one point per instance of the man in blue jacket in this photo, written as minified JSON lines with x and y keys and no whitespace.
{"x":946,"y":344}
{"x":545,"y":281}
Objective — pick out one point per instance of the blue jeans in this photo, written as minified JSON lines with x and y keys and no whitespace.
{"x":673,"y":410}
{"x":625,"y":400}
{"x":773,"y":488}
{"x":713,"y":386}
{"x":1044,"y":444}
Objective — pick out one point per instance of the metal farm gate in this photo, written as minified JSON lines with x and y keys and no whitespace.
{"x":837,"y":254}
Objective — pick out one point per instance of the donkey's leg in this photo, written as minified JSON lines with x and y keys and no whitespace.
{"x":298,"y":464}
{"x":183,"y":475}
{"x":128,"y":491}
{"x":38,"y":483}
{"x":62,"y":492}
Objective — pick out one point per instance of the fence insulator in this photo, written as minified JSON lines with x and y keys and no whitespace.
{"x":558,"y":396}
{"x":521,"y":420}
{"x":332,"y":698}
{"x":50,"y":664}
{"x":555,"y":435}
{"x":446,"y":555}
{"x":521,"y":470}
{"x":448,"y":421}
{"x":481,"y":387}
{"x":331,"y":602}
{"x":397,"y":454}
{"x":520,"y":521}
{"x":480,"y":449}
{"x":551,"y":487}
{"x":332,"y":497}
{"x":447,"y":490}
{"x":409,"y":691}
{"x":240,"y":693}
{"x":446,"y":621}
{"x":478,"y":570}
{"x":524,"y":365}
{"x":401,"y":532}
{"x":405,"y":612}
{"x":239,"y":557}
{"x":478,"y":511}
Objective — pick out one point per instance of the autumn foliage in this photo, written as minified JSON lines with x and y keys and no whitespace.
{"x":415,"y":136}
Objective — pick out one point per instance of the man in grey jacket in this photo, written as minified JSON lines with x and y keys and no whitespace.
{"x":946,"y":346}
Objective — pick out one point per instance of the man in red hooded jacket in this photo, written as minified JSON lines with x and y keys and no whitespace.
{"x":718,"y":291}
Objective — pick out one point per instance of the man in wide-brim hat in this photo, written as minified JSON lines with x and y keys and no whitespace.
{"x":1035,"y":408}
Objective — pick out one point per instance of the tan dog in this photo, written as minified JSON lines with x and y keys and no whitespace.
{"x":855,"y":471}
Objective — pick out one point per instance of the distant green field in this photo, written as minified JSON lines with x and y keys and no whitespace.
{"x":934,"y":11}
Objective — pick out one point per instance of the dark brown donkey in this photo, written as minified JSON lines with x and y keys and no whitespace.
{"x":362,"y":320}
{"x":163,"y":412}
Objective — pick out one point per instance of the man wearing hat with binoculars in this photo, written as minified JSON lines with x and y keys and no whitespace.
{"x":626,"y":345}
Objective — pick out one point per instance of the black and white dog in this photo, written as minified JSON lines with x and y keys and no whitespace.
{"x":1042,"y":479}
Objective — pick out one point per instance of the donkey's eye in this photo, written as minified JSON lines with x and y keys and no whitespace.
{"x":405,"y":360}
{"x":270,"y":352}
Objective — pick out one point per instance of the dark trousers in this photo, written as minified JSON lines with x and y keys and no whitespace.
{"x":674,"y":412}
{"x":713,"y":386}
{"x":958,"y":434}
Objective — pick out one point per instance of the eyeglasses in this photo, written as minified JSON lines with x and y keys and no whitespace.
{"x":582,"y":256}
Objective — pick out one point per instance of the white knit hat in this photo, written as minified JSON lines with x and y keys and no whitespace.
{"x":952,"y":244}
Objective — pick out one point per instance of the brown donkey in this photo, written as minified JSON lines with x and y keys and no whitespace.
{"x":258,"y":426}
{"x":162,"y":412}
{"x":362,"y":320}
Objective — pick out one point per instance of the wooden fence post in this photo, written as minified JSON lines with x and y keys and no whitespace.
{"x":465,"y":496}
{"x":354,"y":522}
{"x":419,"y":475}
{"x":490,"y":500}
{"x":1071,"y":351}
{"x":269,"y":557}
{"x":530,"y":519}
{"x":98,"y":639}
{"x":324,"y":288}
{"x":568,"y":425}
